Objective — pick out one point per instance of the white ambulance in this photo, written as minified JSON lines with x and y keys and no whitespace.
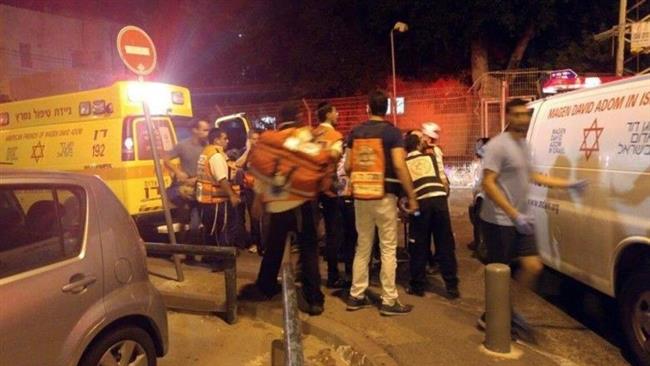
{"x":601,"y":238}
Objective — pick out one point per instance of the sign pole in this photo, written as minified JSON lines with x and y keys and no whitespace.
{"x":161,"y":185}
{"x":137,"y":51}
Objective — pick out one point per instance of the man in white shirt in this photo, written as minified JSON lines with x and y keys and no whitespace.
{"x":214,"y":191}
{"x":327,"y":135}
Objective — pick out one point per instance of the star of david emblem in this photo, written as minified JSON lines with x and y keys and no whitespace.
{"x":589,"y":147}
{"x":37,"y":151}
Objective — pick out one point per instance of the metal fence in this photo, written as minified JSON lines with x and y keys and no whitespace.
{"x":464,"y":114}
{"x":185,"y":302}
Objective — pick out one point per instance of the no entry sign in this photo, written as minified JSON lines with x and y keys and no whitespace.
{"x":136,"y":50}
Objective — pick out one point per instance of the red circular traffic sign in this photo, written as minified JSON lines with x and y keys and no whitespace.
{"x":136,"y":50}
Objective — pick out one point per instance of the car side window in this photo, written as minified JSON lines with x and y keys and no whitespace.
{"x":39,"y":225}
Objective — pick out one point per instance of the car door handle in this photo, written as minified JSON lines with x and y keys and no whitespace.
{"x":78,"y":283}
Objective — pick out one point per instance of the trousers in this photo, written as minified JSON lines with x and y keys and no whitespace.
{"x":301,"y":221}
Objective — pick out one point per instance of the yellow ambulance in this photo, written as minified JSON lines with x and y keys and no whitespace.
{"x":100,"y":132}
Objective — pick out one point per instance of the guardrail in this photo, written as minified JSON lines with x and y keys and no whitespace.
{"x":288,"y":352}
{"x":292,"y":332}
{"x":228,"y":254}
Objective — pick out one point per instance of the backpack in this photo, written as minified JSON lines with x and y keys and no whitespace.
{"x":290,"y":162}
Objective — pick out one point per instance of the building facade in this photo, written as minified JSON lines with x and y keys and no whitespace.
{"x":43,"y":54}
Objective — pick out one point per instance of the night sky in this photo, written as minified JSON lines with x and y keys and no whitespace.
{"x":331,"y":48}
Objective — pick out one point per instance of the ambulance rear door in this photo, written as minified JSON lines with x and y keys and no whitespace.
{"x":142,"y":191}
{"x":236,"y":127}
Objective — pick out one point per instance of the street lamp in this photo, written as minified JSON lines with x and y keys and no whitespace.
{"x":400,"y":27}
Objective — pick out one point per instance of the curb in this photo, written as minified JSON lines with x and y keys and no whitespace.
{"x":357,"y":350}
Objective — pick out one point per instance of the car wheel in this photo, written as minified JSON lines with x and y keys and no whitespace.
{"x":635,"y":316}
{"x":122,"y":346}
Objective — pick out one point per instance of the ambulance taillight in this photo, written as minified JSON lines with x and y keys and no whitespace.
{"x":128,"y":148}
{"x":4,"y":119}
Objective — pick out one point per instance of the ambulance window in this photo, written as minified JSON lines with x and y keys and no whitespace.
{"x":164,"y":138}
{"x":44,"y":227}
{"x":236,"y":131}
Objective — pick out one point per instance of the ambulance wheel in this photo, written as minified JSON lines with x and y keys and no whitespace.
{"x":635,"y":316}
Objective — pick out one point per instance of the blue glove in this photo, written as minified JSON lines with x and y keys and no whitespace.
{"x":579,"y":186}
{"x":525,"y":224}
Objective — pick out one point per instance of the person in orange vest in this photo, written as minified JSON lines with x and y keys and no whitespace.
{"x":376,"y":162}
{"x":287,"y":212}
{"x":215,"y":194}
{"x":327,"y":135}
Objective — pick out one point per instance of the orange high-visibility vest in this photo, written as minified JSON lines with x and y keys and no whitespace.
{"x":208,"y":190}
{"x":327,"y":136}
{"x":368,"y":168}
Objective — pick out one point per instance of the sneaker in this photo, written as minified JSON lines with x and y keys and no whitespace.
{"x":453,"y":293}
{"x":252,"y":249}
{"x":315,"y":310}
{"x":415,"y":291}
{"x":396,"y":309}
{"x":252,"y":292}
{"x":311,"y":309}
{"x":518,"y":321}
{"x":338,"y":283}
{"x":352,"y":303}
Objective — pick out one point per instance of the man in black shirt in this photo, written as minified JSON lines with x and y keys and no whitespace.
{"x":376,"y":162}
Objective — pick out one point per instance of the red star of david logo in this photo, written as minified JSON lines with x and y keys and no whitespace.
{"x":593,"y":147}
{"x":37,"y":151}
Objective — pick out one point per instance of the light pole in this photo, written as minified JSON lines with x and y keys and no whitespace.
{"x":400,"y":27}
{"x":620,"y":47}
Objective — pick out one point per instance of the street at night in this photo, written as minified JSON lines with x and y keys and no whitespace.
{"x":324,"y":183}
{"x":578,"y":331}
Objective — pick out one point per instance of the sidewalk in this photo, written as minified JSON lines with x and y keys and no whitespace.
{"x":437,"y":332}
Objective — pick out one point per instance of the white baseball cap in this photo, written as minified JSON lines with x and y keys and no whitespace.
{"x":431,"y":129}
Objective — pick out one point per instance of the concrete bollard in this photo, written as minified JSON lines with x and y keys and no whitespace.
{"x":497,"y":308}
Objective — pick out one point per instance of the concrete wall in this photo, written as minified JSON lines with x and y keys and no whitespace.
{"x":60,"y":48}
